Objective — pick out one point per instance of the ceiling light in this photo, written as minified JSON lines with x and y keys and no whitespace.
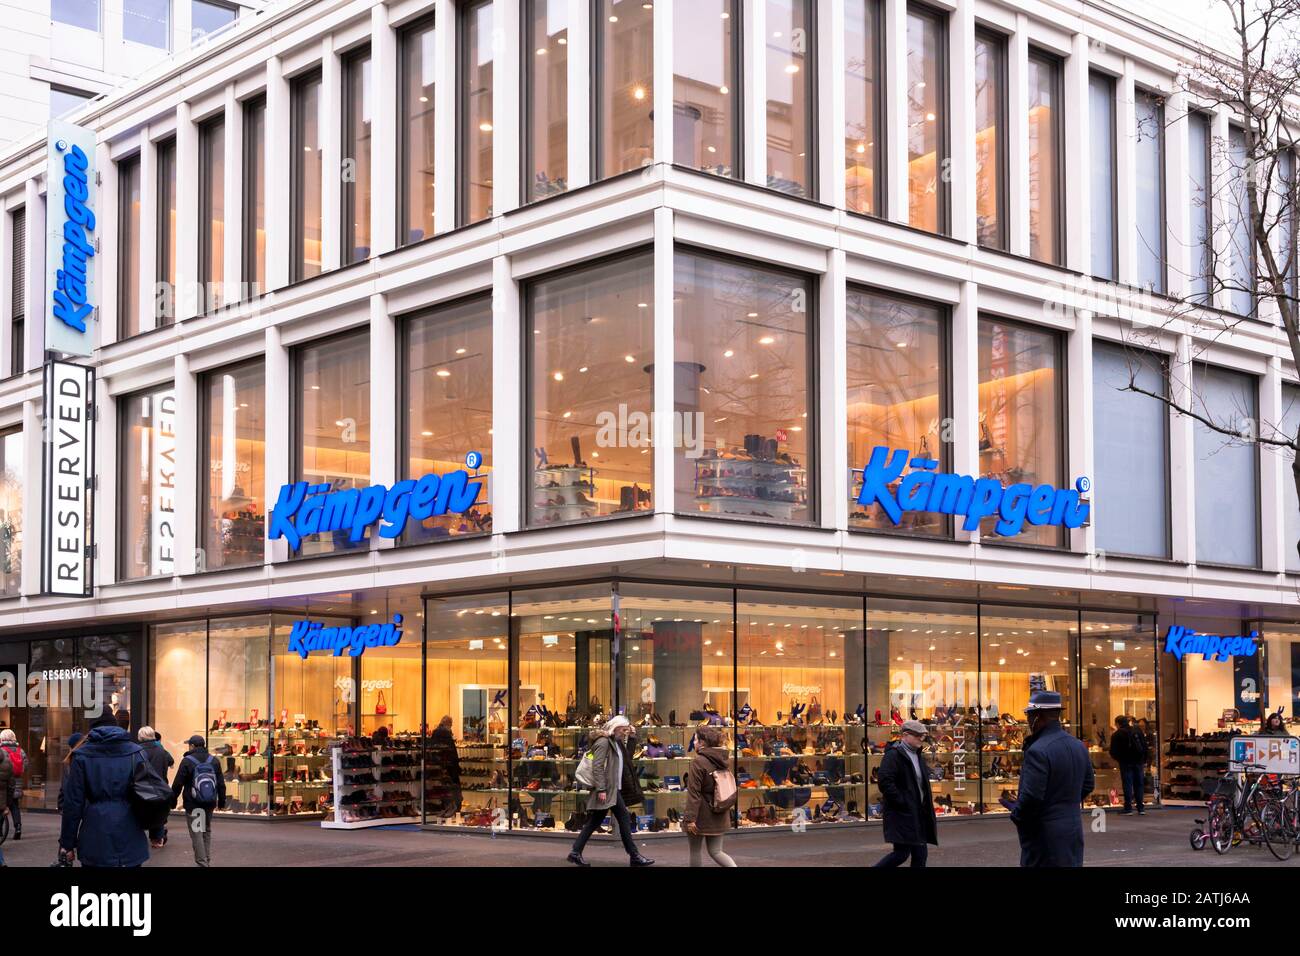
{"x":638,"y":93}
{"x":583,"y":369}
{"x":460,"y":351}
{"x":754,"y":375}
{"x":567,"y":414}
{"x":485,"y":127}
{"x":427,"y":434}
{"x":629,"y":358}
{"x":424,"y":99}
{"x":558,"y":376}
{"x":443,"y":373}
{"x":766,"y":340}
{"x":728,"y":354}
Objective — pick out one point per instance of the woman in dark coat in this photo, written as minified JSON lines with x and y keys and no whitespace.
{"x":98,"y":824}
{"x":704,"y":826}
{"x":906,"y":802}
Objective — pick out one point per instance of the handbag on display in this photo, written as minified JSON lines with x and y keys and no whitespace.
{"x":814,"y":708}
{"x":381,"y":706}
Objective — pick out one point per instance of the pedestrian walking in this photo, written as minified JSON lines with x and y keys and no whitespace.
{"x":906,"y":802}
{"x":161,"y":761}
{"x":6,"y":778}
{"x":604,"y":768}
{"x":1055,"y":777}
{"x":630,"y":789}
{"x":200,"y":787}
{"x":710,"y":798}
{"x":99,"y":826}
{"x":1128,"y":748}
{"x":13,"y":794}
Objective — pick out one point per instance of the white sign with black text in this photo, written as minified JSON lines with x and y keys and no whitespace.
{"x":67,"y":505}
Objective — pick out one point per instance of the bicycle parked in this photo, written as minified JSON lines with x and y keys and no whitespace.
{"x":1244,"y":806}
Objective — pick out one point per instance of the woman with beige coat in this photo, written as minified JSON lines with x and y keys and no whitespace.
{"x":607,"y":771}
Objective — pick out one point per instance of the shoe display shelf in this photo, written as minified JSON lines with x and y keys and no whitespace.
{"x":375,"y":785}
{"x":819,"y":769}
{"x":245,"y":762}
{"x":564,"y":493}
{"x":736,"y":484}
{"x":301,"y":772}
{"x":1190,"y":761}
{"x":543,"y":761}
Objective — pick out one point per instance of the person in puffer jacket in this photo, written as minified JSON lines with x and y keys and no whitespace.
{"x":98,"y":823}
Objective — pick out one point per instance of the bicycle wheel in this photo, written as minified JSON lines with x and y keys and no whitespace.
{"x":1220,"y":826}
{"x":1278,"y":823}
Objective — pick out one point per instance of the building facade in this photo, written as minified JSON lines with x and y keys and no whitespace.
{"x":671,"y":286}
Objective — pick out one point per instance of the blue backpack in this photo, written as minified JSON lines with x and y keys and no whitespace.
{"x":203,"y":784}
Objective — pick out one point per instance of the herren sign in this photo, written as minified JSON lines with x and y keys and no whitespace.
{"x":67,"y":499}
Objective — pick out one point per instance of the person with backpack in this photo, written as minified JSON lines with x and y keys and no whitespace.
{"x":710,"y":797}
{"x":1129,"y":750}
{"x":907,"y":804}
{"x":161,"y":761}
{"x":14,"y":792}
{"x":202,"y":789}
{"x":99,"y":822}
{"x":600,"y":770}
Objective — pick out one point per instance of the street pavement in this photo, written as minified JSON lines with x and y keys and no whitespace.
{"x":1157,"y":839}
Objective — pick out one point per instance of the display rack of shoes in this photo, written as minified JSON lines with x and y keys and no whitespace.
{"x":375,"y":783}
{"x":1190,"y":760}
{"x":242,"y":748}
{"x":566,"y":493}
{"x":756,"y":480}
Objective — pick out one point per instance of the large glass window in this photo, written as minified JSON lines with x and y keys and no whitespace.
{"x":147,"y":539}
{"x":147,"y":22}
{"x":209,"y":16}
{"x":18,"y":295}
{"x":234,"y":465}
{"x":448,"y":356}
{"x":1046,"y":221}
{"x":742,"y":396}
{"x":863,"y":107}
{"x":358,"y":108}
{"x":12,"y":483}
{"x":990,"y":138}
{"x":790,"y":41}
{"x":1117,"y":678}
{"x":212,"y":213}
{"x":77,"y":13}
{"x":333,"y":384}
{"x":1289,"y":426}
{"x":1284,"y":196}
{"x":1202,"y":208}
{"x":1150,"y":151}
{"x":897,"y":393}
{"x":624,"y":36}
{"x":255,"y":196}
{"x":417,"y":66}
{"x":1131,"y":452}
{"x":305,"y":145}
{"x":165,"y":289}
{"x":706,"y":87}
{"x":1241,"y":243}
{"x":1102,"y":175}
{"x":476,"y":111}
{"x":927,"y":120}
{"x":591,"y":343}
{"x":178,"y":685}
{"x":1227,"y":467}
{"x":1021,"y":433}
{"x":64,"y":101}
{"x":128,"y":246}
{"x":546,"y":137}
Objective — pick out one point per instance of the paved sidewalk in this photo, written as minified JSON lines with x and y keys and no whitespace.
{"x":1158,"y":839}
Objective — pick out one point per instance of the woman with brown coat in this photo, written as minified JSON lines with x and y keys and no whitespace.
{"x":705,"y":826}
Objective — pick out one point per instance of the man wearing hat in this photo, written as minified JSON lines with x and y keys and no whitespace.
{"x":1055,"y":777}
{"x":906,"y":803}
{"x":201,"y":787}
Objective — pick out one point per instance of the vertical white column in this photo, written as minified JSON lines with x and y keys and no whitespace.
{"x":508,"y":468}
{"x":1274,"y":471}
{"x":188,"y":560}
{"x":580,"y":119}
{"x":34,"y":322}
{"x":964,"y":427}
{"x":961,"y":121}
{"x":189,"y":301}
{"x":1078,"y":371}
{"x":233,"y":201}
{"x":1221,"y":205}
{"x":665,"y":386}
{"x":508,"y":57}
{"x":1077,"y":159}
{"x":106,"y":490}
{"x":754,"y":23}
{"x":279,"y":432}
{"x":1182,"y":455}
{"x":278,"y":204}
{"x":384,"y":390}
{"x":148,"y":276}
{"x":33,"y":473}
{"x":663,"y":82}
{"x":446,"y":132}
{"x":1178,"y":196}
{"x":383,"y":132}
{"x":831,"y":124}
{"x":106,"y":262}
{"x":895,"y":164}
{"x":1018,"y":137}
{"x":1126,"y":175}
{"x":331,"y":160}
{"x":833,"y":424}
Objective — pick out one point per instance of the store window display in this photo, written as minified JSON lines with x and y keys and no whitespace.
{"x":1117,"y":678}
{"x":11,"y":513}
{"x":448,"y":372}
{"x":234,"y":437}
{"x":1021,"y":431}
{"x":591,"y":354}
{"x":148,"y":450}
{"x":623,"y":36}
{"x":238,"y":680}
{"x":897,"y":394}
{"x":741,"y":397}
{"x":1282,"y":670}
{"x":706,"y":87}
{"x":178,"y":684}
{"x":801,"y":696}
{"x":922,"y":663}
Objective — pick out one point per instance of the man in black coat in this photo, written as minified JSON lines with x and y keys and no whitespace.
{"x":906,"y":802}
{"x":1128,"y":748}
{"x":1055,"y":777}
{"x":198,"y":815}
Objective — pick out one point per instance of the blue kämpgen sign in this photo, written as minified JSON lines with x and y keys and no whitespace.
{"x":1181,"y":640}
{"x":923,"y":489}
{"x":70,"y":239}
{"x":306,"y":636}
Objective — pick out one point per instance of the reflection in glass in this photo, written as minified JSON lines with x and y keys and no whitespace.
{"x":990,"y":134}
{"x":1202,"y":207}
{"x":1227,"y":468}
{"x":1290,"y":425}
{"x":706,"y":86}
{"x":358,"y":110}
{"x":863,"y":180}
{"x":624,"y":35}
{"x":147,"y":544}
{"x":1150,"y":151}
{"x":476,"y":112}
{"x":789,"y":43}
{"x":255,"y":196}
{"x":897,"y":393}
{"x":234,"y":515}
{"x":128,"y":256}
{"x":1044,"y":158}
{"x":417,"y":65}
{"x":742,"y":389}
{"x":11,"y":512}
{"x":592,"y":385}
{"x":1241,"y":242}
{"x":927,"y":188}
{"x":165,"y":289}
{"x":212,"y":214}
{"x":547,"y":65}
{"x":305,"y":144}
{"x":1020,"y":428}
{"x":1102,"y":175}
